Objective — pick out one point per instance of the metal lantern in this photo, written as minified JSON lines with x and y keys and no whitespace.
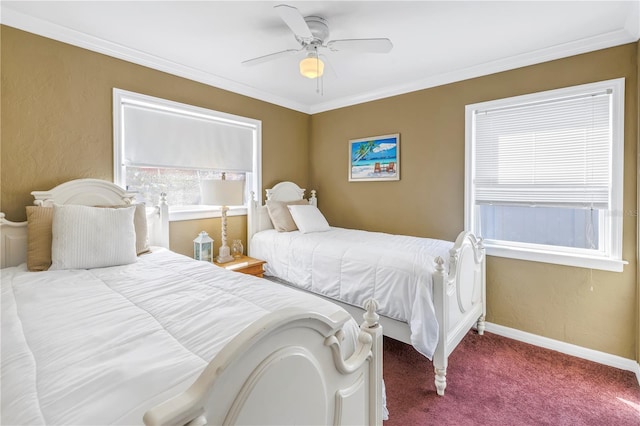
{"x":203,"y":247}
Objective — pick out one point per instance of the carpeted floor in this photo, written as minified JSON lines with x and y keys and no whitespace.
{"x":493,"y":380}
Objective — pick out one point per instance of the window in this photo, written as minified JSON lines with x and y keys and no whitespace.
{"x":544,"y":175}
{"x":164,"y":146}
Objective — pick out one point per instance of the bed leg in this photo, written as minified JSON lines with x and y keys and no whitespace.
{"x":480,"y":325}
{"x":441,"y":380}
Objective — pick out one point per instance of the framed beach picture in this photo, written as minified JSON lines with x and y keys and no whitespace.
{"x":374,"y":158}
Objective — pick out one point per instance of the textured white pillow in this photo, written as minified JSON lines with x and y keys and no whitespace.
{"x":89,"y":237}
{"x":309,"y":219}
{"x":139,"y":223}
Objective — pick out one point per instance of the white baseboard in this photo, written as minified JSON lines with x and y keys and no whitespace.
{"x":567,"y":348}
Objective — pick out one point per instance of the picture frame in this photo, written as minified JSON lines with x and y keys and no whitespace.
{"x":375,"y":158}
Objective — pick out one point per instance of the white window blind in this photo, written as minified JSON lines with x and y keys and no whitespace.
{"x":544,"y":175}
{"x":163,"y":146}
{"x":164,"y":138}
{"x":555,"y":152}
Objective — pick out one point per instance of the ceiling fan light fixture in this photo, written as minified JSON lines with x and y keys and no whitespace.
{"x":312,"y":67}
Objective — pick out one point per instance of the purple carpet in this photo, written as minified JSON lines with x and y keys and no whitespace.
{"x":493,"y":380}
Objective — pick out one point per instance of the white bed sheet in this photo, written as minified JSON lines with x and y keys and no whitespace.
{"x":103,"y":346}
{"x":353,"y":265}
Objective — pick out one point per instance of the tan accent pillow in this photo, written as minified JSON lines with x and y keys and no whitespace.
{"x":39,"y":222}
{"x":264,"y":221}
{"x":140,"y":223}
{"x":280,"y":215}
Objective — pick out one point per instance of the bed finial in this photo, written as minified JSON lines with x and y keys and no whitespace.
{"x":371,"y":318}
{"x":480,"y":244}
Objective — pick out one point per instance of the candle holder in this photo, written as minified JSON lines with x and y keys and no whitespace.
{"x":203,"y":247}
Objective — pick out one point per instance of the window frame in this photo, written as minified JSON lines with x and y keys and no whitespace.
{"x":253,"y":179}
{"x":611,"y":225}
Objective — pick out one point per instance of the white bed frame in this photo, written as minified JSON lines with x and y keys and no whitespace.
{"x":459,"y":293}
{"x":288,"y":368}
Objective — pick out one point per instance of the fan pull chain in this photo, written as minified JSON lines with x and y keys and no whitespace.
{"x":319,"y":82}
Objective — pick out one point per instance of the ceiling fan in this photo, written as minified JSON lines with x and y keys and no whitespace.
{"x":312,"y":32}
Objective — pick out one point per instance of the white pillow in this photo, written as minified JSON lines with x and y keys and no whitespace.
{"x":309,"y":219}
{"x":90,"y":237}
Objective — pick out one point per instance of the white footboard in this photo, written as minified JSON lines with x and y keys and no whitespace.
{"x":287,"y":369}
{"x":459,"y":297}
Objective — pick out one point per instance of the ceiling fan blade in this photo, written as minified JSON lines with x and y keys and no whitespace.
{"x":270,"y":57}
{"x":365,"y":45}
{"x":294,"y":19}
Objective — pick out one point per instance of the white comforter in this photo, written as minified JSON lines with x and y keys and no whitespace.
{"x":352,"y":266}
{"x":103,"y":346}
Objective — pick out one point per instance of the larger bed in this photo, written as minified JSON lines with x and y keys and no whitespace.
{"x":430,"y":292}
{"x":172,"y":340}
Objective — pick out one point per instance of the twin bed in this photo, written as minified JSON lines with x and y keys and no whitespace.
{"x":163,"y":338}
{"x":170,"y":340}
{"x":430,"y":292}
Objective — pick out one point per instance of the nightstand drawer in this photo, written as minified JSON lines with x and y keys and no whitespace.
{"x":257,"y":270}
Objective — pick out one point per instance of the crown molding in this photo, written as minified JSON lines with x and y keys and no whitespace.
{"x":630,"y":33}
{"x":57,"y":32}
{"x":603,"y":41}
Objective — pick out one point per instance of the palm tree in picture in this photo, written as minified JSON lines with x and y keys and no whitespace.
{"x":363,"y":149}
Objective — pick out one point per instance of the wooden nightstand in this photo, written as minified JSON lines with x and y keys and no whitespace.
{"x":246,"y":265}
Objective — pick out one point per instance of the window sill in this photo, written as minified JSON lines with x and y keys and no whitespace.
{"x":557,"y":258}
{"x":203,"y":213}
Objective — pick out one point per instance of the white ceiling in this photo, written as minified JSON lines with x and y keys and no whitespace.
{"x":435,"y":42}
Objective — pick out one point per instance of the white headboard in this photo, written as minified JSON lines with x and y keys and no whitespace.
{"x":258,"y":216}
{"x":88,"y":192}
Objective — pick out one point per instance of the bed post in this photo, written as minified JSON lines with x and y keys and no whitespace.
{"x":480,"y":325}
{"x":371,"y":326}
{"x":252,"y":218}
{"x":440,"y":300}
{"x":163,"y":209}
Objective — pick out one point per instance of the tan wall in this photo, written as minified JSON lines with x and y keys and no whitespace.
{"x":593,"y":309}
{"x":56,"y":123}
{"x":638,"y":207}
